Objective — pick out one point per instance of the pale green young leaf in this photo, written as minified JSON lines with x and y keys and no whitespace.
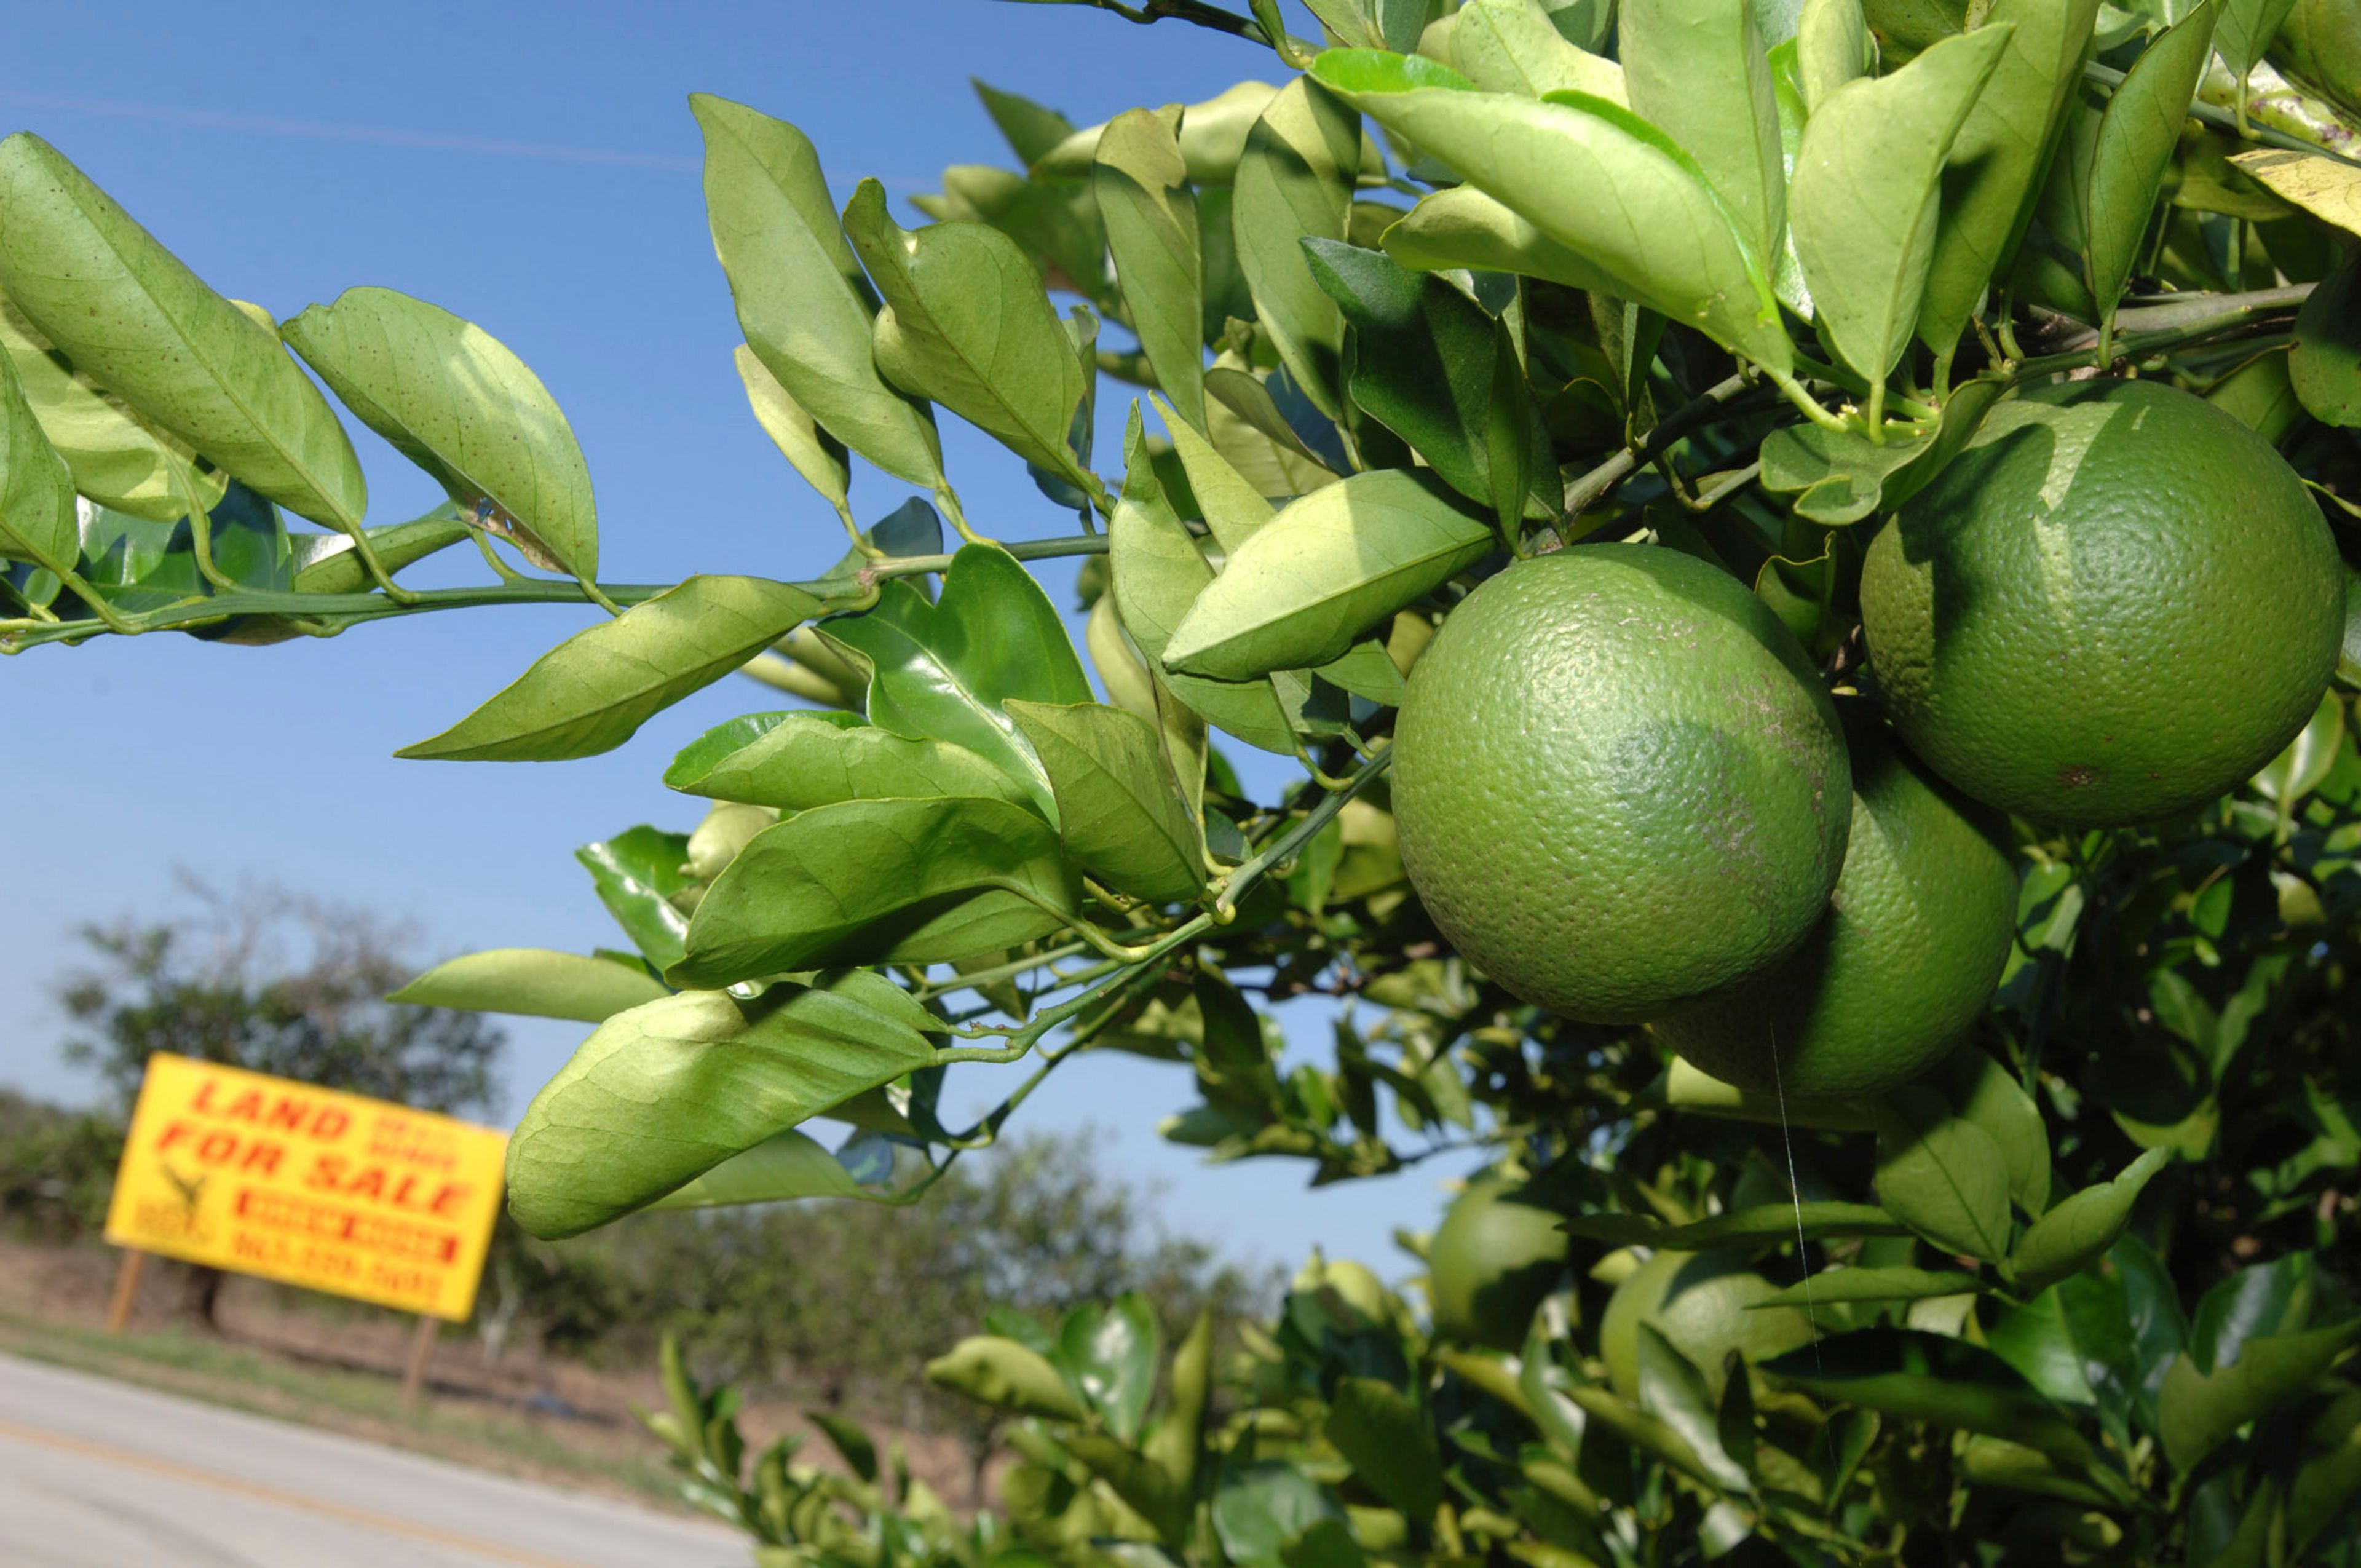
{"x":1591,"y":177}
{"x":1512,"y":46}
{"x":1833,"y":46}
{"x":812,"y":451}
{"x":1142,"y":185}
{"x":877,"y":881}
{"x":1942,"y":1175}
{"x":818,"y":759}
{"x":1295,"y":181}
{"x":454,"y":401}
{"x":784,"y":1166}
{"x":1234,"y":508}
{"x":1868,"y":193}
{"x":943,"y":671}
{"x":966,"y":323}
{"x":591,"y":692}
{"x":1321,"y":573}
{"x":1993,"y":177}
{"x":1212,"y":137}
{"x":1696,"y":71}
{"x":118,"y":459}
{"x":2137,"y":137}
{"x":2078,"y":1232}
{"x":1463,"y":227}
{"x":802,"y":302}
{"x":534,"y":983}
{"x":36,"y":494}
{"x":1675,"y":1392}
{"x":1118,"y":812}
{"x":2327,"y":188}
{"x":127,"y":313}
{"x":665,"y":1091}
{"x":1030,"y":129}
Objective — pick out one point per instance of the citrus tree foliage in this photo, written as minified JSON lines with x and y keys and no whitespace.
{"x":1464,"y":287}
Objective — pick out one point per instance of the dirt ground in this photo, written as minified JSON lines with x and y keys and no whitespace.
{"x":338,"y":1366}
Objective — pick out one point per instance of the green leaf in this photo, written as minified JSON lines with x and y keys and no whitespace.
{"x":1386,"y":1437}
{"x":1252,"y":401}
{"x":2198,"y":1412}
{"x":2307,"y":759}
{"x":803,"y":760}
{"x":1142,"y":186}
{"x":1462,"y":226}
{"x":1833,"y":46}
{"x":591,"y":692}
{"x":1841,"y":477}
{"x":1111,"y":1352}
{"x":1261,"y":1508}
{"x":1761,"y":1226}
{"x":818,"y":457}
{"x":1993,"y":177}
{"x":1233,"y":508}
{"x":844,"y":1435}
{"x":535,"y":983}
{"x":1428,"y":366}
{"x":783,"y":1165}
{"x":2326,"y":364}
{"x":1934,"y":1379}
{"x":1696,"y":71}
{"x":943,"y":671}
{"x":1673,"y":1390}
{"x":132,"y":317}
{"x":802,"y":302}
{"x":2078,"y":1232}
{"x":666,"y":1091}
{"x":1295,"y":181}
{"x":1868,"y":182}
{"x":1118,"y":813}
{"x":1591,"y":177}
{"x":1984,"y":1092}
{"x":1012,"y":1376}
{"x":1330,"y":566}
{"x":2137,"y":137}
{"x":1056,"y":222}
{"x":1212,"y":137}
{"x":1031,"y":130}
{"x":1690,"y":1089}
{"x":966,"y":322}
{"x":880,"y":880}
{"x":454,"y":401}
{"x":1510,"y":46}
{"x":2325,"y":186}
{"x":118,"y":459}
{"x":636,"y":874}
{"x":1159,"y":574}
{"x":1179,"y":1439}
{"x":2246,"y":31}
{"x":37,"y":522}
{"x":328,"y":563}
{"x":1872,"y":1285}
{"x":1942,"y":1175}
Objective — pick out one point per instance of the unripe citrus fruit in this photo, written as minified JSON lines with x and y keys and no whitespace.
{"x":2113,"y":605}
{"x":1916,"y":932}
{"x":1617,"y":782}
{"x":1490,"y":1263}
{"x":1699,"y":1301}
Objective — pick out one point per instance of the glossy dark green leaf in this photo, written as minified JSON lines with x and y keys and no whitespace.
{"x":37,"y":522}
{"x":2083,"y":1227}
{"x":879,"y":881}
{"x":535,"y":983}
{"x":1142,"y":185}
{"x":1934,"y":1378}
{"x":2037,"y":1339}
{"x":637,"y":873}
{"x":1841,"y":477}
{"x":130,"y":315}
{"x":1983,"y":1092}
{"x":1592,"y":177}
{"x":942,"y":671}
{"x":1323,"y":572}
{"x":1259,"y":1509}
{"x":804,"y":760}
{"x":2137,"y":140}
{"x":593,"y":691}
{"x":853,"y":1444}
{"x":1673,"y":1390}
{"x":1119,"y":812}
{"x":1868,"y":190}
{"x":2305,"y":763}
{"x":1310,"y":443}
{"x":119,"y":460}
{"x":668,"y":1090}
{"x":1997,"y":158}
{"x":812,"y":451}
{"x":2326,"y":364}
{"x":1895,"y":1284}
{"x":1941,"y":1175}
{"x":2198,"y":1412}
{"x":1755,"y":1226}
{"x":1462,"y":226}
{"x":802,"y":302}
{"x":1389,"y":1440}
{"x":1696,"y":71}
{"x":966,"y":323}
{"x":1428,"y":364}
{"x":1112,"y":1351}
{"x":1295,"y":181}
{"x":2265,"y":1298}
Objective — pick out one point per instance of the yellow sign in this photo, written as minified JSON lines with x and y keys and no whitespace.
{"x":331,"y":1191}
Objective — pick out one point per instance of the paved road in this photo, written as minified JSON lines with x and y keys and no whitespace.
{"x":95,"y":1473}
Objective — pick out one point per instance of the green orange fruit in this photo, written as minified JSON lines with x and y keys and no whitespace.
{"x":2113,"y":605}
{"x":1617,"y":782}
{"x":1700,"y":1302}
{"x":1916,"y":932}
{"x":1490,"y":1263}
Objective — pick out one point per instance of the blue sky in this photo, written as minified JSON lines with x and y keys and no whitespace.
{"x":532,"y":167}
